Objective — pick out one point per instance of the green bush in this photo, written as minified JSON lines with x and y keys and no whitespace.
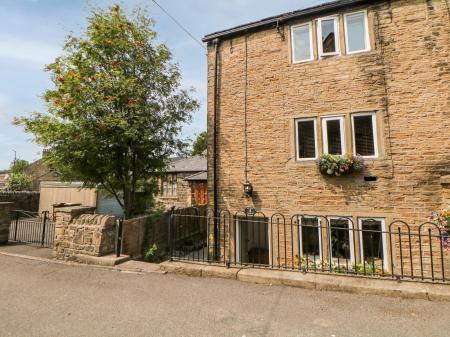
{"x":151,"y":254}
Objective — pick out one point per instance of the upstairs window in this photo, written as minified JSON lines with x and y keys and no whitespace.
{"x":356,"y":32}
{"x":333,"y":135}
{"x":306,"y":139}
{"x":302,"y":49}
{"x":328,"y":36}
{"x":365,"y":135}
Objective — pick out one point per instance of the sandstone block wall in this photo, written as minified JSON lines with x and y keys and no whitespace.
{"x":404,"y":79}
{"x":26,"y":201}
{"x":79,"y":232}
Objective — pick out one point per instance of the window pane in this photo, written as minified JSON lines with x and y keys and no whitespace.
{"x":174,"y":184}
{"x":302,"y":43}
{"x":328,"y":36}
{"x":356,"y":32}
{"x":364,"y":137}
{"x":372,"y":240}
{"x":334,"y":136}
{"x":310,"y":237}
{"x":340,"y":238}
{"x":306,"y":139}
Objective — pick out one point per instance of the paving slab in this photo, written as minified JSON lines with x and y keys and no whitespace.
{"x":27,"y":250}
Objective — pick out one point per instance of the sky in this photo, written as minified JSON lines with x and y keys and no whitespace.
{"x":32,"y":33}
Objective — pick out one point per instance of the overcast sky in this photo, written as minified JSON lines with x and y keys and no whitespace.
{"x":32,"y":33}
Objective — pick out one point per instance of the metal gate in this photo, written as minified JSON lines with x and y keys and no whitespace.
{"x":32,"y":228}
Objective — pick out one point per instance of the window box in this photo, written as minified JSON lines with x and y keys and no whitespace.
{"x":337,"y":165}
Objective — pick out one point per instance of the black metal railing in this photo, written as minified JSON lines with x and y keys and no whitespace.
{"x":311,"y":243}
{"x":32,"y":228}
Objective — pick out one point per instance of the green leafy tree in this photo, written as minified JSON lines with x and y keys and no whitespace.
{"x":200,"y":144}
{"x":18,"y":180}
{"x":116,"y":109}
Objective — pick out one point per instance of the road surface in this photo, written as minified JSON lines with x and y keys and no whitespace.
{"x":47,"y":299}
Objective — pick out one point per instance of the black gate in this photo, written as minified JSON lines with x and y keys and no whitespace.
{"x":32,"y":228}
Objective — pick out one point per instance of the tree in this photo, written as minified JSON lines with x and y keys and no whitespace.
{"x":18,"y":180}
{"x":200,"y":144}
{"x":116,"y":109}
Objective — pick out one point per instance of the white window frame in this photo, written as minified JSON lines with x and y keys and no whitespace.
{"x":383,"y":240}
{"x":325,"y":133}
{"x":374,"y":131}
{"x":336,"y":36}
{"x":300,"y":235}
{"x":350,"y":234}
{"x":297,"y":120}
{"x":311,"y":49}
{"x":366,"y":35}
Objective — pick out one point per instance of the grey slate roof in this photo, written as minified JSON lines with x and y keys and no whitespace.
{"x":272,"y":21}
{"x":197,"y":176}
{"x":189,"y":164}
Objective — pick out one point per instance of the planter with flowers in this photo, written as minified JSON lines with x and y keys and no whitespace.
{"x":337,"y":165}
{"x":442,"y":220}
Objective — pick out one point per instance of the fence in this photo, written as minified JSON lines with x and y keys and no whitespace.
{"x":32,"y":228}
{"x":310,"y":243}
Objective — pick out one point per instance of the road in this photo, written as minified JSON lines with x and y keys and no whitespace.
{"x":47,"y":299}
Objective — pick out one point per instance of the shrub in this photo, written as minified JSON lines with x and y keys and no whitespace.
{"x":151,"y":254}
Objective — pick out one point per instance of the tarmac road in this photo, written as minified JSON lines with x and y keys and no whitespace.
{"x":47,"y":299}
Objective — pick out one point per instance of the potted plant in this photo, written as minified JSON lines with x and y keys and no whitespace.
{"x":337,"y":165}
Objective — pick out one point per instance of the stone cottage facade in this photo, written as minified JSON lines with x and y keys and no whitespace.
{"x":184,"y":184}
{"x":347,"y":77}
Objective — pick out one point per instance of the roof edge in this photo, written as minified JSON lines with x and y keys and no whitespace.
{"x":270,"y":21}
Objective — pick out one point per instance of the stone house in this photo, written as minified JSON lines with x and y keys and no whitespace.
{"x":40,"y":171}
{"x":3,"y":178}
{"x":184,"y":184}
{"x":360,"y":77}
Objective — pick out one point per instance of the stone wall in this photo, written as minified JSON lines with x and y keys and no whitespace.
{"x":5,"y":221}
{"x":133,"y":233}
{"x":404,"y":79}
{"x":25,"y":201}
{"x":79,"y":232}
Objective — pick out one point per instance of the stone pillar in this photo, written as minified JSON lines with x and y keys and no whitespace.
{"x":5,"y":221}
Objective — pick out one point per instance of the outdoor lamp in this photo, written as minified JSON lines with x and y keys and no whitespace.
{"x":248,"y":188}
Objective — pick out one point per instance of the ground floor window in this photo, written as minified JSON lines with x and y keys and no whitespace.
{"x":310,"y":238}
{"x":373,"y":242}
{"x":341,"y":239}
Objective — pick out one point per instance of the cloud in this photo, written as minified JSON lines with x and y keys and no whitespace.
{"x":13,"y":47}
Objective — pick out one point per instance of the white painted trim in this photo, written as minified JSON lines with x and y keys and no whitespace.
{"x":350,"y":236}
{"x":336,"y":36}
{"x":383,"y":239}
{"x":325,"y":134}
{"x":297,"y":120}
{"x":311,"y":49}
{"x":366,"y":35}
{"x":374,"y":131}
{"x":300,"y":238}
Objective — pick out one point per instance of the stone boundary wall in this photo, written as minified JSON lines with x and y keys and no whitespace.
{"x":25,"y":201}
{"x":133,"y":234}
{"x":5,"y":221}
{"x":80,"y":232}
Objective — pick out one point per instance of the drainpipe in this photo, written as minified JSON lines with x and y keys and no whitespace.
{"x":216,"y":43}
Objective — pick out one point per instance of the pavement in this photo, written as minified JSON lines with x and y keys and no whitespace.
{"x":42,"y":298}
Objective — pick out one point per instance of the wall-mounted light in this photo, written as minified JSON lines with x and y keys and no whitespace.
{"x":248,"y":188}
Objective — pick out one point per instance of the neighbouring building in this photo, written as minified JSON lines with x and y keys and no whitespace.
{"x":368,"y":78}
{"x":40,"y":171}
{"x":185,"y":183}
